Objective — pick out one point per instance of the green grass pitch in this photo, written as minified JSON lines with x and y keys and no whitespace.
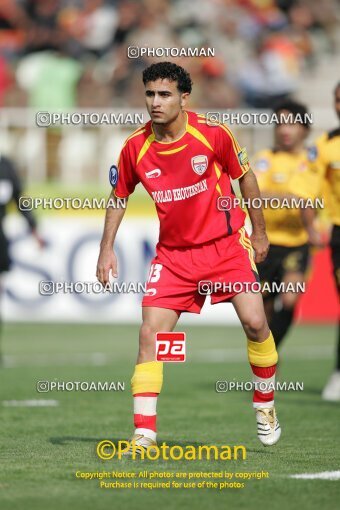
{"x":41,"y":448}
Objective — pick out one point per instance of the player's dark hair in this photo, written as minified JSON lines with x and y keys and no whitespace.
{"x":299,"y":111}
{"x":337,"y":86}
{"x":171,"y":72}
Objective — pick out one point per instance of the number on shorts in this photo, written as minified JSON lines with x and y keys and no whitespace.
{"x":155,"y":273}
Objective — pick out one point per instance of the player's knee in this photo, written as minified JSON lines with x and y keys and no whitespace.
{"x":289,"y":300}
{"x":146,"y":336}
{"x":255,"y":326}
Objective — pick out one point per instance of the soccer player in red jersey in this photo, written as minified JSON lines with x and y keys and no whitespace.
{"x":185,"y":164}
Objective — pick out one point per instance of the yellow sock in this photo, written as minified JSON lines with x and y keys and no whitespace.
{"x":262,"y":354}
{"x":147,"y":377}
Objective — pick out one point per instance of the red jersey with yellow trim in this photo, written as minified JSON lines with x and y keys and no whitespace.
{"x":185,"y":178}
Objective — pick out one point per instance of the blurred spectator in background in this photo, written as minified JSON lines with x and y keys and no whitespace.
{"x":262,"y":47}
{"x":13,"y":28}
{"x":127,"y":21}
{"x":271,"y":74}
{"x":99,"y":22}
{"x":264,"y":14}
{"x":92,"y":26}
{"x":5,"y":79}
{"x":11,"y":189}
{"x":44,"y":32}
{"x":50,"y":79}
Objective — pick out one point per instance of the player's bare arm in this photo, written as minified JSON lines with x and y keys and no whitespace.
{"x":282,"y":197}
{"x":250,"y":190}
{"x":287,"y":198}
{"x":314,"y":235}
{"x":107,"y":260}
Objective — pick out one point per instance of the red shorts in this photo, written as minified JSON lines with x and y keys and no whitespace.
{"x":175,"y":273}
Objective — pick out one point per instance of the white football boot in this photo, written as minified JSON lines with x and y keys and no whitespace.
{"x":331,"y":391}
{"x":138,"y":443}
{"x":268,"y":427}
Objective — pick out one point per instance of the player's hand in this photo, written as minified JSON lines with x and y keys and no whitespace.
{"x":316,"y":239}
{"x":260,"y":244}
{"x":107,"y":261}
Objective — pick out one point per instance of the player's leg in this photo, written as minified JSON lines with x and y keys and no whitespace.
{"x":269,"y":272}
{"x":331,"y":392}
{"x":5,"y":264}
{"x":154,"y":320}
{"x":147,"y":379}
{"x":263,"y":359}
{"x":170,"y":290}
{"x":268,"y":303}
{"x":283,"y":313}
{"x":234,"y":266}
{"x":293,"y":266}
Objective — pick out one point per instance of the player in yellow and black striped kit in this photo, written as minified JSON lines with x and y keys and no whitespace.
{"x":326,"y":182}
{"x":288,"y":255}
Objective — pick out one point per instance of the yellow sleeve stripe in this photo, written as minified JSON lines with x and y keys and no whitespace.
{"x":145,"y":147}
{"x":135,"y":133}
{"x":197,"y":134}
{"x":236,"y":147}
{"x":244,"y":171}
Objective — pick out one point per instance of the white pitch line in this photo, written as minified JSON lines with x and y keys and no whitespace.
{"x":240,"y":354}
{"x":42,"y":360}
{"x":324,"y":475}
{"x":30,"y":403}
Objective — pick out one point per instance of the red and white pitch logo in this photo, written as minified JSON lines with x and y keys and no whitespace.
{"x":170,"y":347}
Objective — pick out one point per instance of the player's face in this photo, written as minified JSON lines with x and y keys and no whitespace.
{"x":337,"y":102}
{"x":164,"y":102}
{"x":289,"y":135}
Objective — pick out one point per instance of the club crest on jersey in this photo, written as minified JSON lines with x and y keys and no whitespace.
{"x":199,"y":164}
{"x":113,"y":175}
